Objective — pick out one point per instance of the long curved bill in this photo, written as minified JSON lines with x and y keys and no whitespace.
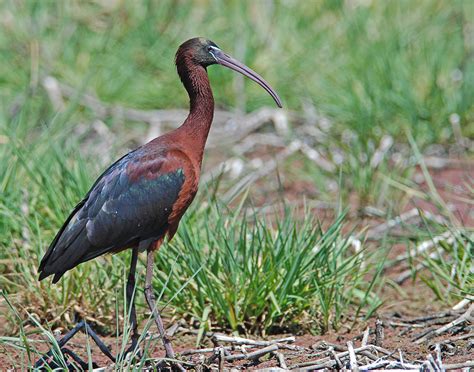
{"x":229,"y":62}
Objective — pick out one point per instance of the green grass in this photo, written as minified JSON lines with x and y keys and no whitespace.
{"x":254,"y":275}
{"x":449,"y":270}
{"x":375,"y":67}
{"x":380,"y":68}
{"x":264,"y":277}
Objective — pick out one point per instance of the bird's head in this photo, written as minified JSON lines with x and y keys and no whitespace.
{"x":204,"y":52}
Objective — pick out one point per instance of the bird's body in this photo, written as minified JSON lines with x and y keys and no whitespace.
{"x":141,"y":198}
{"x":134,"y":203}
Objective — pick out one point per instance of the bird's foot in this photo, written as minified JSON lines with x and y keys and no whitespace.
{"x":53,"y":360}
{"x":50,"y":360}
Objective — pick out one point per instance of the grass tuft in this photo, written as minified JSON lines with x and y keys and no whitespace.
{"x":262,"y":276}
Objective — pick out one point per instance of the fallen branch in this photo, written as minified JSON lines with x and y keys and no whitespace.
{"x":336,"y":358}
{"x":380,"y":230}
{"x":246,"y":341}
{"x":268,"y":167}
{"x":463,"y":303}
{"x":327,"y":361}
{"x":281,"y":359}
{"x":204,"y":351}
{"x":447,"y":236}
{"x":253,"y":355}
{"x":365,"y":338}
{"x":467,"y":364}
{"x":352,"y":357}
{"x":463,"y":318}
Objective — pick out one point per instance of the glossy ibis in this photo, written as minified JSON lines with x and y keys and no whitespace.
{"x":141,"y":198}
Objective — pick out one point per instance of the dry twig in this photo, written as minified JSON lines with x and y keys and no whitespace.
{"x":253,"y":355}
{"x":352,"y":357}
{"x":467,"y":316}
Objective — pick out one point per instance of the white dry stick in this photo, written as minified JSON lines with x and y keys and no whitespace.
{"x":352,"y":357}
{"x":155,"y":130}
{"x":401,"y":357}
{"x":205,"y":351}
{"x":264,"y":170}
{"x":357,"y":245}
{"x":224,"y":167}
{"x":465,"y":366}
{"x":390,"y":224}
{"x":408,"y":273}
{"x":455,"y":121}
{"x":240,"y":127}
{"x":253,"y":355}
{"x":53,"y":90}
{"x":435,"y":162}
{"x":280,"y":121}
{"x":102,"y":110}
{"x":379,"y":230}
{"x":336,"y":358}
{"x":316,"y":134}
{"x":314,"y":120}
{"x":385,"y":144}
{"x":328,"y":362}
{"x":467,"y":316}
{"x":231,"y":128}
{"x":426,"y":245}
{"x":257,"y":139}
{"x":438,"y":356}
{"x":375,"y":365}
{"x":246,"y":341}
{"x":365,"y":337}
{"x":281,"y":360}
{"x":463,"y":303}
{"x":237,"y":166}
{"x":313,"y":154}
{"x":433,"y":363}
{"x":101,"y":128}
{"x":434,"y":217}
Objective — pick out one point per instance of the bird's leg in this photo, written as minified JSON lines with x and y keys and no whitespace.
{"x":131,"y":299}
{"x":150,"y":298}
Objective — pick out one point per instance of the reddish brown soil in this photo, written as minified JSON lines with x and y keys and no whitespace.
{"x":454,"y":186}
{"x":392,"y":341}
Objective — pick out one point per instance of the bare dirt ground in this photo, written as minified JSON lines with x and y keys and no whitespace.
{"x":309,"y":350}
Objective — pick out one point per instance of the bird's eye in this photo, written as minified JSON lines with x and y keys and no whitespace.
{"x":209,"y":48}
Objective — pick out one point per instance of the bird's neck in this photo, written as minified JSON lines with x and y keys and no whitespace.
{"x":195,"y":128}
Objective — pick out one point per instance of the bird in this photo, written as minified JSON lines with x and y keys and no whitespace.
{"x":140,"y":199}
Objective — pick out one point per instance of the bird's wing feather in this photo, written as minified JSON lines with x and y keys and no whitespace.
{"x":130,"y":202}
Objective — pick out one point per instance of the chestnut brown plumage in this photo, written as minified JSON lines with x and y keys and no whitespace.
{"x":141,"y":198}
